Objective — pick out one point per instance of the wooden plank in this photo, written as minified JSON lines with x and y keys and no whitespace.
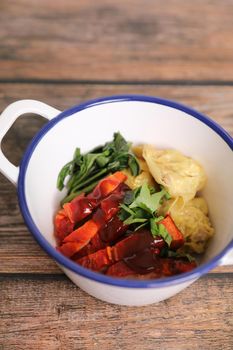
{"x":34,"y":317}
{"x":116,"y":40}
{"x":19,"y":252}
{"x":214,"y":101}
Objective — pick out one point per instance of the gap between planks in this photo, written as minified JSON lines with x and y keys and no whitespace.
{"x":173,"y":82}
{"x":62,"y":277}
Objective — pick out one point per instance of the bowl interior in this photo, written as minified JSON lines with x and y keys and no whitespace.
{"x":139,"y":122}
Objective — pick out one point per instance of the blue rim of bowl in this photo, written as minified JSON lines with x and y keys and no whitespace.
{"x":69,"y":264}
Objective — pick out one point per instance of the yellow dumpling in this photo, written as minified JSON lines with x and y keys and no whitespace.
{"x":137,"y":150}
{"x":192,"y":220}
{"x":144,"y":176}
{"x":180,"y":175}
{"x":137,"y":181}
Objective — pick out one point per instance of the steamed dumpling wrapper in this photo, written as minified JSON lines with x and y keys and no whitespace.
{"x":192,"y":220}
{"x":144,"y":177}
{"x":137,"y":181}
{"x":180,"y":175}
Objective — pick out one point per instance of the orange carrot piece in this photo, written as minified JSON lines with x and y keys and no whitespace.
{"x":79,"y":238}
{"x":63,"y":226}
{"x":68,"y":249}
{"x":84,"y":233}
{"x":126,"y":247}
{"x":177,"y":236}
{"x":108,"y":185}
{"x":98,"y":260}
{"x":78,"y":208}
{"x":81,"y":206}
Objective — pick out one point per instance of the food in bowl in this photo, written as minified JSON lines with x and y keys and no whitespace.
{"x":133,"y":211}
{"x":142,"y":119}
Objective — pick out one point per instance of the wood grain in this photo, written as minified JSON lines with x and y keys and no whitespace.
{"x":116,"y":40}
{"x":37,"y":318}
{"x":46,"y":48}
{"x":18,"y":251}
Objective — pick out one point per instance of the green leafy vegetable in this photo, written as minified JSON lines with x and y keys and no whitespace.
{"x":130,"y":216}
{"x":147,"y":201}
{"x":126,"y":210}
{"x":86,"y":189}
{"x":134,"y":220}
{"x":140,"y":207}
{"x":85,"y":169}
{"x":133,"y":165}
{"x":129,"y":197}
{"x":160,"y":230}
{"x":62,"y":175}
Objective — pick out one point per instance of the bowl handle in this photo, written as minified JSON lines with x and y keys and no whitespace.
{"x":8,"y":117}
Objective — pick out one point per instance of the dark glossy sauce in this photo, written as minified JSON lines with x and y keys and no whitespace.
{"x":145,"y":260}
{"x":79,"y":208}
{"x":99,"y":217}
{"x":111,"y":226}
{"x":142,"y":262}
{"x":112,"y":230}
{"x":82,"y":206}
{"x":110,"y":205}
{"x":100,"y":191}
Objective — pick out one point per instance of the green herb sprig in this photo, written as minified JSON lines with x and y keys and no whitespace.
{"x":140,"y":209}
{"x":86,"y":170}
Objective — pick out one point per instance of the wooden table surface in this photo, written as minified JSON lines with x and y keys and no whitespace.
{"x":64,"y":52}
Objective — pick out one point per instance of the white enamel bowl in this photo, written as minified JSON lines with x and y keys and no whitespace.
{"x":140,"y":119}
